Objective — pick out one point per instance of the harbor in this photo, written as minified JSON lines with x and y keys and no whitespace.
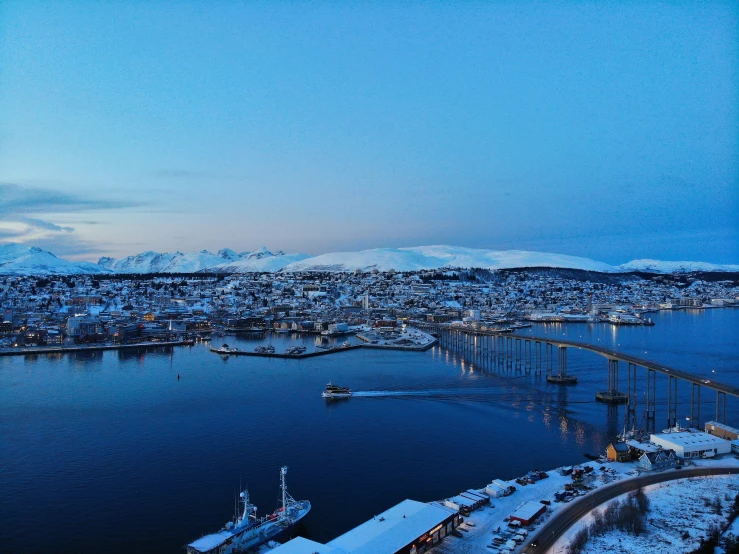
{"x":194,"y":430}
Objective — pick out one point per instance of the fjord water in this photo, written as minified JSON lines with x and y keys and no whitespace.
{"x":111,"y":452}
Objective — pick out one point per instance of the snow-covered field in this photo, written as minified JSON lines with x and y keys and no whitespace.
{"x":679,"y":516}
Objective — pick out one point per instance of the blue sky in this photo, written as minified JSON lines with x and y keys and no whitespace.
{"x":608,"y":130}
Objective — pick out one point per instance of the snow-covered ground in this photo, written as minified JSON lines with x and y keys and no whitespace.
{"x":489,"y":522}
{"x":679,"y":517}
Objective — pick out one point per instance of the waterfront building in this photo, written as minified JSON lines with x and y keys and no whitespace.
{"x":618,"y":452}
{"x":410,"y":527}
{"x":655,"y":461}
{"x":692,"y":444}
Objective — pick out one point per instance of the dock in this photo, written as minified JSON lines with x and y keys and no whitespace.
{"x":290,"y":356}
{"x":34,"y":350}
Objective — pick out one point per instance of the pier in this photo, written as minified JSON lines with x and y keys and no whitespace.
{"x":35,"y":350}
{"x":321,"y":352}
{"x":535,"y":355}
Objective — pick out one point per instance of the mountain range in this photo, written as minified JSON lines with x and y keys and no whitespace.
{"x":28,"y":260}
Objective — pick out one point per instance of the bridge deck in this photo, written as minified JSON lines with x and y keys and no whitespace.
{"x":608,"y":353}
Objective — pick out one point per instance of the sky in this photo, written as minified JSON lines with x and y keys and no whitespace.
{"x":601,"y":129}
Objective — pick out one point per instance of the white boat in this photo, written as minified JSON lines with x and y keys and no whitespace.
{"x":335,"y":391}
{"x":226,"y":349}
{"x":246,"y":531}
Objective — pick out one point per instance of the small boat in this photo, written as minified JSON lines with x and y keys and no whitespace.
{"x":346,"y":344}
{"x":226,"y":349}
{"x":335,"y":391}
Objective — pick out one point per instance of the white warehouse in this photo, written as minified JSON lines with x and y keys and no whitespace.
{"x":692,"y":444}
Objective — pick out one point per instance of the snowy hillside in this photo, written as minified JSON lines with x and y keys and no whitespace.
{"x":28,"y":260}
{"x":434,"y":257}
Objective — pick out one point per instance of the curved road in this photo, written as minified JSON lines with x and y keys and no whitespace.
{"x":571,"y":514}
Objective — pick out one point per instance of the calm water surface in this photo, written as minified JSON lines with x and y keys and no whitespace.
{"x":110,"y":451}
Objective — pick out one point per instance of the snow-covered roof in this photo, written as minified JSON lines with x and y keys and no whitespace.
{"x":209,"y":542}
{"x":393,"y":529}
{"x":643,"y":446}
{"x":528,"y":510}
{"x":687,"y":439}
{"x":300,"y":545}
{"x":722,"y":426}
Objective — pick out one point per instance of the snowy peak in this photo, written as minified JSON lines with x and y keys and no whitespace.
{"x":258,"y":254}
{"x":25,"y":260}
{"x":18,"y":259}
{"x":204,"y":260}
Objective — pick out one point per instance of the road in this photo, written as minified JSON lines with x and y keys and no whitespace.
{"x":569,"y":515}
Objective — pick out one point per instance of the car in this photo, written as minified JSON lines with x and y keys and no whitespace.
{"x":534,"y":543}
{"x":678,"y":467}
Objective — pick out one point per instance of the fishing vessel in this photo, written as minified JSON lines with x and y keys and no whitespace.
{"x":335,"y":391}
{"x":247,"y":531}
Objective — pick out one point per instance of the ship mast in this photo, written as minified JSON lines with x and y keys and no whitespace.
{"x":283,"y":472}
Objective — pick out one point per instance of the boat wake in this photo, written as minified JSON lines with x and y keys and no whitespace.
{"x":427,"y":393}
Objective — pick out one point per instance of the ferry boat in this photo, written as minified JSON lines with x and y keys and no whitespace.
{"x":335,"y":391}
{"x":247,"y":531}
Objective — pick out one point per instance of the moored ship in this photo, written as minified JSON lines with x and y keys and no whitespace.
{"x":335,"y":391}
{"x":247,"y":531}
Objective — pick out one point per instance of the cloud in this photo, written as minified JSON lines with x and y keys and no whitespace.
{"x":10,"y":233}
{"x":20,"y":207}
{"x":16,"y":200}
{"x":44,"y":225}
{"x":67,"y":245}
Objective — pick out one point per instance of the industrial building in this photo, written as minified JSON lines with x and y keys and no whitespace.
{"x":407,"y":528}
{"x":692,"y":444}
{"x":527,"y":512}
{"x":722,"y":430}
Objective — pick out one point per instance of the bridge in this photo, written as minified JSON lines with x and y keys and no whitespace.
{"x":529,"y":354}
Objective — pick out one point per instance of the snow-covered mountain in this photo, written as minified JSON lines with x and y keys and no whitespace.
{"x":657,"y":266}
{"x":24,"y":260}
{"x":19,"y":259}
{"x":192,"y":262}
{"x":435,"y":257}
{"x":269,"y":264}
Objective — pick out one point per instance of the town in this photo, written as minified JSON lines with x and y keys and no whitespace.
{"x":123,"y":310}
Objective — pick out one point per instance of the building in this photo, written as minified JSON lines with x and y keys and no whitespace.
{"x":83,"y":325}
{"x":656,"y":461}
{"x":692,"y":444}
{"x":527,"y":512}
{"x":618,"y":452}
{"x":722,"y":430}
{"x":407,"y":528}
